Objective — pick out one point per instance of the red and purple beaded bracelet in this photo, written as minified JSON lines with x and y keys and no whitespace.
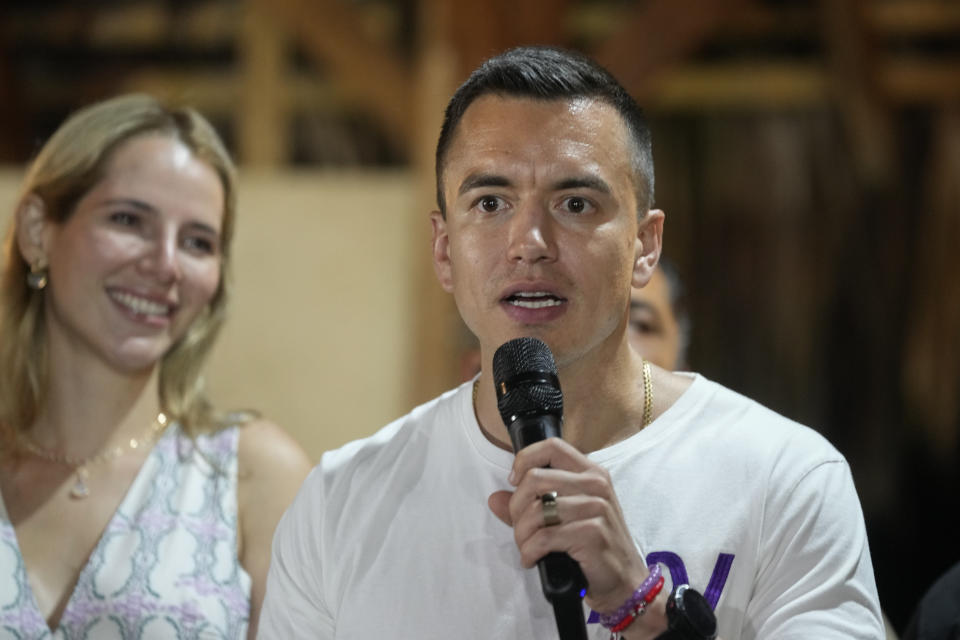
{"x":636,"y":604}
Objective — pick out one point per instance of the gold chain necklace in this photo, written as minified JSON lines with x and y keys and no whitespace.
{"x":647,"y":394}
{"x":81,"y":466}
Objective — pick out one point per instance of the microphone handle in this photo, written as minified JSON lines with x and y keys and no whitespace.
{"x":561,"y":578}
{"x":526,"y":430}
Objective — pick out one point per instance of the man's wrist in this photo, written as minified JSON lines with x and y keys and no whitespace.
{"x":652,"y":623}
{"x":683,"y":615}
{"x":635,"y":605}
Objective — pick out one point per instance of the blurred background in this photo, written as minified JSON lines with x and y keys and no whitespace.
{"x":808,"y":160}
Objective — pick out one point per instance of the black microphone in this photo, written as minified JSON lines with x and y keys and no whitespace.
{"x":531,"y":405}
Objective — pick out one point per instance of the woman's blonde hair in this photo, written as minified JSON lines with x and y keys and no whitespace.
{"x":72,"y":161}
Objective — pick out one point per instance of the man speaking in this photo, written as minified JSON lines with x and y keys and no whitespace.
{"x":690,"y":510}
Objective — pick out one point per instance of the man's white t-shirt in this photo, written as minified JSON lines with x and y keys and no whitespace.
{"x":391,"y":536}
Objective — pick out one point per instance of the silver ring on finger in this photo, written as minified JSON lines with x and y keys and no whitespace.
{"x":548,"y":501}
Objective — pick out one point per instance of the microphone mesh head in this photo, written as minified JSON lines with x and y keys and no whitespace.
{"x":525,"y":377}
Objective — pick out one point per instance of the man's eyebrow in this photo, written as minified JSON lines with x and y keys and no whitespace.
{"x":583,"y":182}
{"x":479,"y":180}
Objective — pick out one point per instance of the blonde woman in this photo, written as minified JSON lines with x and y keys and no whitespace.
{"x":130,"y":507}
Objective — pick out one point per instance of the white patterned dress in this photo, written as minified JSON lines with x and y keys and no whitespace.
{"x":166,"y":565}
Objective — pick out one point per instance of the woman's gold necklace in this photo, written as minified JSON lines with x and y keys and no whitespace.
{"x":81,"y":466}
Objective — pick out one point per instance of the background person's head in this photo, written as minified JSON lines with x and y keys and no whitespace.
{"x":659,"y":328}
{"x":68,"y":167}
{"x":546,"y":73}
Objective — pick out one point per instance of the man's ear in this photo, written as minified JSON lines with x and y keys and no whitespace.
{"x":441,"y":251}
{"x":648,"y":245}
{"x":32,"y":227}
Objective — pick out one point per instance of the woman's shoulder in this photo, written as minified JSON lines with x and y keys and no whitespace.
{"x":265,"y":450}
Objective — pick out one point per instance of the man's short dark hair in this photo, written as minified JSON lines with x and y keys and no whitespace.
{"x":548,"y":73}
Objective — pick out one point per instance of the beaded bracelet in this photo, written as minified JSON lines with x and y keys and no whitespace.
{"x":638,"y":599}
{"x":640,"y":609}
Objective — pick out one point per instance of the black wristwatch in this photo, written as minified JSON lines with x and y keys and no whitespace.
{"x":689,"y":616}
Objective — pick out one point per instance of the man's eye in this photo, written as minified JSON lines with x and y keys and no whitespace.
{"x":576,"y":204}
{"x":489,"y":203}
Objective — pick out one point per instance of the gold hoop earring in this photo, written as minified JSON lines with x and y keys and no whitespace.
{"x":37,"y":278}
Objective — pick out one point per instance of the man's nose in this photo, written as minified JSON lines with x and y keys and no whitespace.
{"x":531,"y":237}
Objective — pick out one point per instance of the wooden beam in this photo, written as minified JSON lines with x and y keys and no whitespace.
{"x":205,"y":24}
{"x":912,"y":81}
{"x":888,"y":19}
{"x":789,"y":85}
{"x":211,"y":91}
{"x":480,"y":30}
{"x":914,"y":17}
{"x":657,"y":35}
{"x":931,"y":372}
{"x":854,"y":86}
{"x":366,"y":71}
{"x":747,"y":85}
{"x":597,"y":21}
{"x":262,"y":124}
{"x":438,"y":72}
{"x":121,"y":27}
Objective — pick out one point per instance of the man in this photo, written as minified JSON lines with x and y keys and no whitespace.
{"x":937,"y":615}
{"x":659,"y":327}
{"x":430,"y":527}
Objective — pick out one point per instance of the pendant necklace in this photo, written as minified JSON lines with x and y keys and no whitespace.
{"x":81,"y":466}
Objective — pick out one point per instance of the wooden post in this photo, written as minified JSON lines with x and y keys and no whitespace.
{"x":854,"y":83}
{"x":263,"y":138}
{"x":436,"y":344}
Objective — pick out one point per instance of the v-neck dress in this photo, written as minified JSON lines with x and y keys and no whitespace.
{"x":166,"y":565}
